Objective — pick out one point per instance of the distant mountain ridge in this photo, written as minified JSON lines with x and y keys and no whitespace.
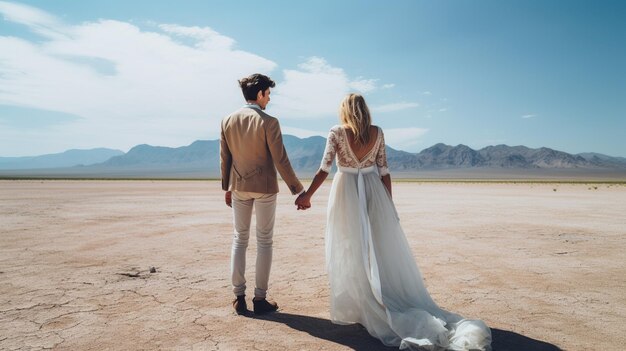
{"x":600,"y":159}
{"x":503,"y":156}
{"x":200,"y":153}
{"x":202,"y":157}
{"x":68,"y":158}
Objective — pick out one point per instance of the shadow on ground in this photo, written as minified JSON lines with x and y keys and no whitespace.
{"x":504,"y":340}
{"x":356,"y":337}
{"x":353,"y":336}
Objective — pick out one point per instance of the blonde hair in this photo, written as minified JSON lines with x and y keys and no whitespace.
{"x":354,"y":113}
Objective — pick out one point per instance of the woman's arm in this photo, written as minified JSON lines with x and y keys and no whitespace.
{"x":387,"y":182}
{"x":304,"y":200}
{"x":381,"y":162}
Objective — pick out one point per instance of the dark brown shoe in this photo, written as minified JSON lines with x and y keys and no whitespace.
{"x":240,"y":305}
{"x":262,"y":306}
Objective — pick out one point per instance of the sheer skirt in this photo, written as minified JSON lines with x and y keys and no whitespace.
{"x":374,"y":279}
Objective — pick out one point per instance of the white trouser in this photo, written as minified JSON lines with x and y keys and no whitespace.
{"x":242,"y":215}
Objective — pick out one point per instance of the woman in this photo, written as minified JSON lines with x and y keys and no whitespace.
{"x":374,"y":279}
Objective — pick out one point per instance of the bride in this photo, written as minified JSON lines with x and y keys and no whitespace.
{"x":374,"y":280}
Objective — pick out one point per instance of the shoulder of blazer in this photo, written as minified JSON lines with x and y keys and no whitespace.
{"x":269,"y":122}
{"x":235,"y":113}
{"x":265,"y":116}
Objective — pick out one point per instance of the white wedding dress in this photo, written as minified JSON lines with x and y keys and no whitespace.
{"x":374,"y":280}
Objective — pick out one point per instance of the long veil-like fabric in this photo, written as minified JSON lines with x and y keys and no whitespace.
{"x":374,"y":279}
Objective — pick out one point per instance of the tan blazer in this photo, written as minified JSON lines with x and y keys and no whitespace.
{"x":251,"y":149}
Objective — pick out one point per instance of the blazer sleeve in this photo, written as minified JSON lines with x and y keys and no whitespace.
{"x":226,"y":160}
{"x":274,"y":139}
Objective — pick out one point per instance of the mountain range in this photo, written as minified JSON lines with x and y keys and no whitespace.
{"x":201,"y":159}
{"x":68,"y":158}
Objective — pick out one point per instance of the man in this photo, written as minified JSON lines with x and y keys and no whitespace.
{"x":251,"y":149}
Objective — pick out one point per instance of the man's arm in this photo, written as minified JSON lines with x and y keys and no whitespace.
{"x":279,"y":155}
{"x":226,"y":160}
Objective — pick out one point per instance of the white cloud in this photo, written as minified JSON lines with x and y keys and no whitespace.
{"x":403,"y":138}
{"x":157,"y":91}
{"x":38,"y":21}
{"x":427,"y":93}
{"x":314,"y":90}
{"x":443,"y":109}
{"x":388,"y":86}
{"x":207,"y":37}
{"x":169,"y":85}
{"x":363,"y":85}
{"x":529,"y":116}
{"x":393,"y":107}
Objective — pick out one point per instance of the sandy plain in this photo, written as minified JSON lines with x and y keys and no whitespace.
{"x":543,"y":265}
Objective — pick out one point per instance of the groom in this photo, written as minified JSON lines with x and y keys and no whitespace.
{"x":251,"y":149}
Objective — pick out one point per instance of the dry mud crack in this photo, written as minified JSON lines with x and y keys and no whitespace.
{"x":95,"y":265}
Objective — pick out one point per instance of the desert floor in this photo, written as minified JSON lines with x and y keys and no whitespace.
{"x":544,"y":265}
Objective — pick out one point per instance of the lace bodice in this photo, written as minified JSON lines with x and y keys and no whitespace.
{"x":338,"y":146}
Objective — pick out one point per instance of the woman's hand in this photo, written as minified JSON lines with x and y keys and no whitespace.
{"x":303,"y":201}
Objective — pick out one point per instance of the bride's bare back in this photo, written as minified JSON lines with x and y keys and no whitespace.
{"x":361,"y":151}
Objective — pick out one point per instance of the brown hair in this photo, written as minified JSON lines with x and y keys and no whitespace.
{"x":250,"y":86}
{"x":354,"y":113}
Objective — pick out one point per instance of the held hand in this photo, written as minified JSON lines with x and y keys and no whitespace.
{"x":303,"y":202}
{"x":228,"y":198}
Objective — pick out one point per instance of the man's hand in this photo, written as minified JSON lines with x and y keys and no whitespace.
{"x":303,"y":201}
{"x":228,"y":198}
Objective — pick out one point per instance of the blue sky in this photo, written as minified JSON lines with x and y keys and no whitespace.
{"x":85,"y":74}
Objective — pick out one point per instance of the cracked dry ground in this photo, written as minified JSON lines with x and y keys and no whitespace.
{"x":543,"y":268}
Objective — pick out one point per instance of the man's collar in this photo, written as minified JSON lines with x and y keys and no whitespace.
{"x":253,"y":105}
